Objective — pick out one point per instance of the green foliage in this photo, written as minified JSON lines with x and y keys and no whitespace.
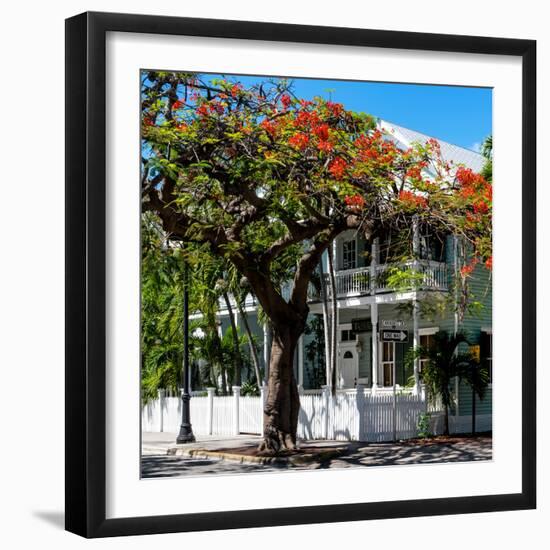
{"x":487,"y":152}
{"x":259,"y":176}
{"x":423,"y":425}
{"x":162,"y":280}
{"x":315,"y":352}
{"x":250,"y":388}
{"x":401,"y":279}
{"x":446,"y":361}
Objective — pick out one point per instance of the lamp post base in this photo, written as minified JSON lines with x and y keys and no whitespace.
{"x":185,"y":435}
{"x":186,"y":432}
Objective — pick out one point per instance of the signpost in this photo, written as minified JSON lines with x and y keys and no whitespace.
{"x":400,"y":336}
{"x":394,"y":405}
{"x":392,"y":330}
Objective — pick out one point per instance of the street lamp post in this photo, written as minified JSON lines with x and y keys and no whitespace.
{"x":186,"y":432}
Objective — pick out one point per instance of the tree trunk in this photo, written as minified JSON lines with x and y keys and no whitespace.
{"x":446,"y":420}
{"x":251,"y":343}
{"x":236,"y":346}
{"x":283,"y":403}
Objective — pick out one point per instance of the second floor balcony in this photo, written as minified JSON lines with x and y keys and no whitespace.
{"x":392,"y":277}
{"x":379,"y":279}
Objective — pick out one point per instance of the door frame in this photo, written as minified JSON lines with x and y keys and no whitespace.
{"x":347,"y":346}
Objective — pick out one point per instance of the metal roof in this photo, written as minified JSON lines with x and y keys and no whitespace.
{"x":449,"y":152}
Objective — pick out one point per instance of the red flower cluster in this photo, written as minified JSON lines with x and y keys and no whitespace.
{"x":414,"y":172}
{"x":474,"y":187}
{"x":410,"y":199}
{"x":481,"y":207}
{"x":202,"y":110}
{"x":468,"y":178}
{"x":321,"y":131}
{"x":269,"y":126}
{"x":235,"y":89}
{"x":337,"y":167}
{"x":356,"y":201}
{"x":305,"y":118}
{"x":325,"y":146}
{"x":213,"y":107}
{"x":434,"y":144}
{"x":336,"y":109}
{"x":373,"y":147}
{"x":299,"y":141}
{"x":178,"y":104}
{"x":286,"y":101}
{"x":467,"y":269}
{"x":489,"y":262}
{"x":149,"y":120}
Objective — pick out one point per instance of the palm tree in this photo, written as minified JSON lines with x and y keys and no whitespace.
{"x":487,"y":152}
{"x":444,"y":362}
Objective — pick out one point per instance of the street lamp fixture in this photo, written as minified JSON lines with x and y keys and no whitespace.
{"x":186,"y":431}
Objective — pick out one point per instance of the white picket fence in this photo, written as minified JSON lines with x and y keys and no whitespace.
{"x":350,"y":415}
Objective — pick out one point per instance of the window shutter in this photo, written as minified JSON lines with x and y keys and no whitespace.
{"x":484,"y":346}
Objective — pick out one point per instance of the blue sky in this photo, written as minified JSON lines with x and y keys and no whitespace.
{"x":459,"y":115}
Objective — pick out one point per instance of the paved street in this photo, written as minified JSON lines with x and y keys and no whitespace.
{"x":162,"y":466}
{"x":156,"y":463}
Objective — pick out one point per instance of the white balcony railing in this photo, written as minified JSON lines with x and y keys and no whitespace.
{"x":420,"y":275}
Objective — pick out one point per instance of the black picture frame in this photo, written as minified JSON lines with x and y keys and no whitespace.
{"x":86,"y":279}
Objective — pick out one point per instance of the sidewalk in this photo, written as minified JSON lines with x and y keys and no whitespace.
{"x":155,"y":443}
{"x":326,"y":454}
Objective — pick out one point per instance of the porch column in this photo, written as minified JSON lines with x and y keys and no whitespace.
{"x":416,"y":337}
{"x":416,"y":344}
{"x":374,"y":257}
{"x":374,"y":321}
{"x":301,"y":362}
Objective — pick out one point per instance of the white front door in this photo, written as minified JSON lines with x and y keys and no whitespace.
{"x":348,"y":371}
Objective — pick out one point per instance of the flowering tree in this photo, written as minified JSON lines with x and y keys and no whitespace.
{"x":267,"y":181}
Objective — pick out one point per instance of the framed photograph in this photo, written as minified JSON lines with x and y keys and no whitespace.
{"x":300,"y":274}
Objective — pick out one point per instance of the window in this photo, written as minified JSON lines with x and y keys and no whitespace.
{"x":486,"y":351}
{"x":388,"y":360}
{"x":427,"y":341}
{"x":431,"y":247}
{"x":349,"y":260}
{"x":348,"y":355}
{"x":347,"y":335}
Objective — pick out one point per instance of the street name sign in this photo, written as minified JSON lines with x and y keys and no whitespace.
{"x":392,"y":323}
{"x":400,"y":336}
